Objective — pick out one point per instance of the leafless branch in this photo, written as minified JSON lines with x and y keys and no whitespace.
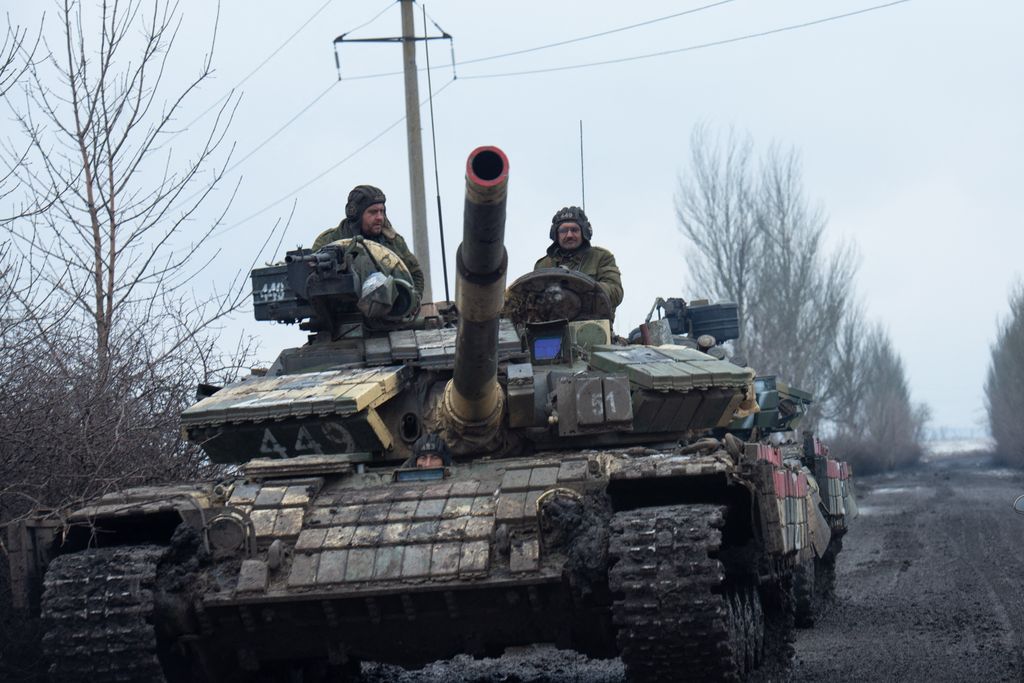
{"x":757,"y":241}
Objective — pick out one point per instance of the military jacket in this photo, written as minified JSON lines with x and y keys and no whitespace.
{"x":388,"y":237}
{"x":596,"y":262}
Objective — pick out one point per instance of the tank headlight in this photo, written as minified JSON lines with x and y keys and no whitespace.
{"x":226,"y":532}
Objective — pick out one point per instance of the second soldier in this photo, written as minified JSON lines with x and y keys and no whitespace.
{"x":570,"y":248}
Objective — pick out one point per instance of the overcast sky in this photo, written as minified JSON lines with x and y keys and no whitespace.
{"x":908,"y":120}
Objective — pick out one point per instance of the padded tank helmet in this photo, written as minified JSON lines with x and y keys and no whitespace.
{"x":360,"y":198}
{"x":432,"y":443}
{"x":571,"y":214}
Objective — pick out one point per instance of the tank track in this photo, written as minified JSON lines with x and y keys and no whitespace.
{"x":98,"y":609}
{"x":677,"y":618}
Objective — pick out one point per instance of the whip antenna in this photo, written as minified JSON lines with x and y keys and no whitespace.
{"x":433,"y":144}
{"x":583,"y":182}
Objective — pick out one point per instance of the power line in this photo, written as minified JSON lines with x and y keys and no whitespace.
{"x":267,"y":59}
{"x":320,"y":175}
{"x":252,"y":73}
{"x":538,"y":48}
{"x":298,"y":114}
{"x":594,"y":35}
{"x":375,"y":17}
{"x":261,"y":145}
{"x":725,"y":41}
{"x":281,"y":129}
{"x":690,"y":48}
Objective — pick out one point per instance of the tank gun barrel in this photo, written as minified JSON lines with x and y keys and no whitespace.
{"x":473,"y":398}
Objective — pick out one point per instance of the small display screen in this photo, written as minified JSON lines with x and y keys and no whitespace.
{"x":547,"y":348}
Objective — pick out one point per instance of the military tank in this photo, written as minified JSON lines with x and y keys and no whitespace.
{"x":599,"y":496}
{"x":829,"y":483}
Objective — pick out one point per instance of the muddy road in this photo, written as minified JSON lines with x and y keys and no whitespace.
{"x":931,"y":582}
{"x":930,"y":588}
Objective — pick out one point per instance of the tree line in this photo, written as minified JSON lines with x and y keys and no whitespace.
{"x":1004,"y":384}
{"x":755,"y":239}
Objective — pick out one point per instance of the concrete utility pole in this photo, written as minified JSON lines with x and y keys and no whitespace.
{"x":417,"y":194}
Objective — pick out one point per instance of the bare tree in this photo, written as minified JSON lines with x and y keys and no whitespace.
{"x":1004,"y":384}
{"x":716,"y":212}
{"x":112,"y":240}
{"x":756,"y":240}
{"x":883,"y":429}
{"x":802,"y":293}
{"x":16,"y":54}
{"x":846,"y":382}
{"x":104,"y":333}
{"x":103,"y":337}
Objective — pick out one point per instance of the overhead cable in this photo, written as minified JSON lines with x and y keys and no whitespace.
{"x":595,"y":35}
{"x":252,"y":73}
{"x":689,"y":48}
{"x":537,"y":48}
{"x":327,"y":170}
{"x":280,"y":130}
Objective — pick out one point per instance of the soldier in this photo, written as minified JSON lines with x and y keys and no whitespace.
{"x":570,"y":236}
{"x":365,"y":214}
{"x":430,"y":450}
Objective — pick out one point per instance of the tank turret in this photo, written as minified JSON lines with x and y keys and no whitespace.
{"x":473,"y":401}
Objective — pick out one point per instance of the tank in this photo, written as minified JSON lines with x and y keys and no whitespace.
{"x":829,"y":482}
{"x":617,"y":499}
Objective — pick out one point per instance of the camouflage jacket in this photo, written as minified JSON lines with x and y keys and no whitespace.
{"x":596,"y":262}
{"x":388,"y":237}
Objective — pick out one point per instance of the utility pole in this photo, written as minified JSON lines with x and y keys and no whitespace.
{"x":417,"y":193}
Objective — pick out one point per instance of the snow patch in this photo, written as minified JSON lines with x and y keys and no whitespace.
{"x":1001,"y":473}
{"x":946,"y":447}
{"x":899,"y":489}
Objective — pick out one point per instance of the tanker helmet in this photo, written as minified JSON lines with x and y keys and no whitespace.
{"x":359,"y":199}
{"x":432,"y":444}
{"x":571,"y":214}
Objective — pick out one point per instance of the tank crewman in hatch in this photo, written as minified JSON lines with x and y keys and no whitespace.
{"x":570,"y":236}
{"x":430,"y":450}
{"x":365,"y":214}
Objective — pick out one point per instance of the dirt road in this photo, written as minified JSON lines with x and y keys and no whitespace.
{"x":930,"y":588}
{"x":931,"y":582}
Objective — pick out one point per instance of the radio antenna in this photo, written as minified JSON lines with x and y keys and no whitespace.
{"x":433,"y":143}
{"x":583,"y":182}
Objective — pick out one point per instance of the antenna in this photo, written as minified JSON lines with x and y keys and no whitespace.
{"x":583,"y":181}
{"x":433,"y":142}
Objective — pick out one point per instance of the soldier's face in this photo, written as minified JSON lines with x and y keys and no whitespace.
{"x":429,"y":460}
{"x":373,"y":220}
{"x":569,"y":236}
